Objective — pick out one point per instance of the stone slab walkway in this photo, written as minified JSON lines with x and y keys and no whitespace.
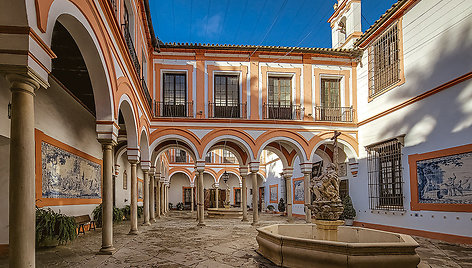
{"x":176,"y":241}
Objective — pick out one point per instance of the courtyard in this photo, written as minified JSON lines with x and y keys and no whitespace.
{"x":176,"y":241}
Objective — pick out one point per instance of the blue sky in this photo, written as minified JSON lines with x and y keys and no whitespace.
{"x":253,"y":22}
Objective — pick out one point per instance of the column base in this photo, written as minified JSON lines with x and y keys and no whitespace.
{"x":290,"y":220}
{"x":255,"y":223}
{"x":133,"y":232}
{"x":153,"y":220}
{"x":244,"y":220}
{"x":147,"y":224}
{"x":107,"y":251}
{"x":201,"y":224}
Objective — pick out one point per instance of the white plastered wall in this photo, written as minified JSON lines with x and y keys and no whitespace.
{"x":437,"y":40}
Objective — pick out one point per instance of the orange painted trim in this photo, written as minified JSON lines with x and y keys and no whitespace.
{"x":293,"y":190}
{"x":159,"y":77}
{"x":341,"y":8}
{"x":432,"y":235}
{"x":32,"y":56}
{"x":422,"y":96}
{"x":270,"y":196}
{"x":307,"y":88}
{"x":300,"y":216}
{"x":42,"y":10}
{"x":265,"y":82}
{"x":41,"y":43}
{"x":40,"y":201}
{"x":211,"y":69}
{"x":345,"y":75}
{"x":140,"y":182}
{"x":254,"y":88}
{"x":401,"y":64}
{"x":351,"y":36}
{"x":412,"y":159}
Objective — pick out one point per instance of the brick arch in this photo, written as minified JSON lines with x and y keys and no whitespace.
{"x":175,"y":170}
{"x":234,"y":171}
{"x":295,"y":140}
{"x":240,"y":140}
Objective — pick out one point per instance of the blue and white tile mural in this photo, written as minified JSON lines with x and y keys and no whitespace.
{"x":66,"y":175}
{"x":299,"y":190}
{"x":445,"y":180}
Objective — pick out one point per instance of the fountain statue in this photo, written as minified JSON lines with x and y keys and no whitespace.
{"x":327,"y":204}
{"x":226,"y":203}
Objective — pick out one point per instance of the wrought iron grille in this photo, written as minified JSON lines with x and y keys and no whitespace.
{"x":385,"y":175}
{"x":173,"y":109}
{"x":384,"y":61}
{"x":336,"y":114}
{"x":281,"y":111}
{"x":146,"y":93}
{"x":237,"y":110}
{"x":132,"y":51}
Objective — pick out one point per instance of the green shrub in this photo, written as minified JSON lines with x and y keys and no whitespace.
{"x":270,"y":207}
{"x":180,"y":206}
{"x":51,"y":225}
{"x":140,"y":211}
{"x":281,"y":205}
{"x":97,"y":215}
{"x":349,"y":212}
{"x":126,"y":212}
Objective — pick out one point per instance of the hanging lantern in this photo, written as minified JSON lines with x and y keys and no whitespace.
{"x":225,"y":177}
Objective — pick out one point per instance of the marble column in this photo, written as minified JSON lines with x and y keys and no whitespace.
{"x":107,"y":199}
{"x":288,"y":188}
{"x":255,"y":197}
{"x":146,"y":198}
{"x":158,"y":195}
{"x":152,"y":195}
{"x":217,"y":186}
{"x":191,"y":197}
{"x":134,"y":199}
{"x":307,"y":175}
{"x":162,"y":198}
{"x":22,"y":172}
{"x":201,"y":200}
{"x":166,"y":188}
{"x":244,"y":196}
{"x":197,"y":191}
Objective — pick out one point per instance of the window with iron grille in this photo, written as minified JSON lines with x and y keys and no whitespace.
{"x":174,"y":95}
{"x":226,"y":96}
{"x":279,"y":98}
{"x":385,"y":175}
{"x":180,"y":156}
{"x":384,"y":61}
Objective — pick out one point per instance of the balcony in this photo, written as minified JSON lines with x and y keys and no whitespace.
{"x":146,"y":93}
{"x":334,"y":114}
{"x":227,"y":111}
{"x":171,"y":109}
{"x":281,"y":111}
{"x":132,"y":51}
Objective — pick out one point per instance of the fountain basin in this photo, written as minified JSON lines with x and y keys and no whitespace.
{"x":228,"y":213}
{"x":296,"y":245}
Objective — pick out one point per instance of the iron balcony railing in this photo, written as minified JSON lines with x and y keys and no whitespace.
{"x":334,"y":114}
{"x":132,"y":51}
{"x":146,"y":93}
{"x":113,"y":5}
{"x":282,"y":111}
{"x":216,"y":110}
{"x":172,"y":109}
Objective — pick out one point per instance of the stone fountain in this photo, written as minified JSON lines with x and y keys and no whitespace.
{"x":227,"y":211}
{"x":328,"y":244}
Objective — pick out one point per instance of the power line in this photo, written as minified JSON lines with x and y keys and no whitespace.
{"x":208,"y":16}
{"x":241,"y":19}
{"x":190,"y":22}
{"x":224,"y":19}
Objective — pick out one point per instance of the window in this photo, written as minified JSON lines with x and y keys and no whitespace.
{"x":385,"y":175}
{"x":209,"y":157}
{"x":180,"y":156}
{"x":174,"y":95}
{"x":384,"y":61}
{"x":226,"y":97}
{"x":279,"y":99}
{"x":228,"y":157}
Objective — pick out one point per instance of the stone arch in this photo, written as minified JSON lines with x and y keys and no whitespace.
{"x":129,"y":115}
{"x":187,"y":173}
{"x":348,"y":149}
{"x":286,"y":141}
{"x":231,"y":171}
{"x":144,"y":148}
{"x":101,"y":75}
{"x":212,"y":173}
{"x":172,"y":141}
{"x":238,"y":146}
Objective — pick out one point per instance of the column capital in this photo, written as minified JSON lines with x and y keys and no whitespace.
{"x":133,"y":161}
{"x":145,"y":165}
{"x":107,"y":143}
{"x":152,"y":170}
{"x":133,"y":153}
{"x":200,"y":166}
{"x":254,"y":167}
{"x":306,"y":167}
{"x":20,"y":82}
{"x":243,"y":171}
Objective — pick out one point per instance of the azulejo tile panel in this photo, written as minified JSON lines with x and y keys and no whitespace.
{"x":66,"y":175}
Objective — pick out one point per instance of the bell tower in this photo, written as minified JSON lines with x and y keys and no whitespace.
{"x":345,"y":23}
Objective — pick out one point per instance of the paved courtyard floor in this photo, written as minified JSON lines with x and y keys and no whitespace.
{"x":176,"y":241}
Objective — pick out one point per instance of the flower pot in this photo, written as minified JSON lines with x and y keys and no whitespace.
{"x":348,"y":222}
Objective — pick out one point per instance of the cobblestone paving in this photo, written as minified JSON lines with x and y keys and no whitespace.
{"x":176,"y":241}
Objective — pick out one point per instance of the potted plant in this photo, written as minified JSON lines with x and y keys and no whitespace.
{"x":281,"y":205}
{"x":171,"y":206}
{"x":54,"y":228}
{"x":271,"y":208}
{"x":97,"y":215}
{"x":349,"y":213}
{"x":180,"y":206}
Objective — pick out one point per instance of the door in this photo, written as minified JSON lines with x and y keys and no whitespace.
{"x":279,"y":98}
{"x":174,"y":96}
{"x":226,"y":96}
{"x":330,"y":100}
